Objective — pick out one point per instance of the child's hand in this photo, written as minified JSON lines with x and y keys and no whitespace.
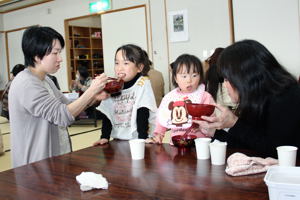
{"x":155,"y":140}
{"x":101,"y":142}
{"x":149,"y":140}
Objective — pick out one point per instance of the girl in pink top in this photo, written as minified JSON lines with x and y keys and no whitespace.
{"x":187,"y":77}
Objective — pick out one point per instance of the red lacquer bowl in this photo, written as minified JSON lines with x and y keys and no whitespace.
{"x":197,"y":110}
{"x":184,"y":140}
{"x":114,"y":85}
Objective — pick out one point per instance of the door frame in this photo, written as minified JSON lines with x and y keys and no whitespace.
{"x":66,"y":25}
{"x":7,"y":46}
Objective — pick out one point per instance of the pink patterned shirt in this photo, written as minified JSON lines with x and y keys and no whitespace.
{"x":173,"y":115}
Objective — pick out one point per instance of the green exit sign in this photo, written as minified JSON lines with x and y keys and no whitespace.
{"x":100,"y":6}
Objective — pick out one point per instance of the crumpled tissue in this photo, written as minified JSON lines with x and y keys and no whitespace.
{"x":91,"y":180}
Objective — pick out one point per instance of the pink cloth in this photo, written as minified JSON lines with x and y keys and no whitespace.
{"x":239,"y":164}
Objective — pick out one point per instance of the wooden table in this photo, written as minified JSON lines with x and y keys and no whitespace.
{"x":163,"y":174}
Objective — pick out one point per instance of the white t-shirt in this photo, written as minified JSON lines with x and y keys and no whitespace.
{"x":122,"y":110}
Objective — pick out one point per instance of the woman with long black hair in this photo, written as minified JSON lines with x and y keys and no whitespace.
{"x":268,"y":98}
{"x":213,"y":82}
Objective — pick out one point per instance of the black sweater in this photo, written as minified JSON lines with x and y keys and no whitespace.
{"x":280,"y":125}
{"x":141,"y":118}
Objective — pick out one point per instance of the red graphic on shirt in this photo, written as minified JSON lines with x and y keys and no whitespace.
{"x":179,"y":114}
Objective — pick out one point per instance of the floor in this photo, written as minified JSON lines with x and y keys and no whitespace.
{"x":82,"y":136}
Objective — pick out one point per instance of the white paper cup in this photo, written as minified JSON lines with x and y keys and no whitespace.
{"x":287,"y":155}
{"x":218,"y":153}
{"x":202,"y":148}
{"x":137,"y":148}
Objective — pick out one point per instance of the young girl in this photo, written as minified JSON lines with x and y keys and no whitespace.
{"x":132,"y":113}
{"x":187,"y":77}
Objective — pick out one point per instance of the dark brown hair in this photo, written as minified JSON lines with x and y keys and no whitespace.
{"x":191,"y":62}
{"x":137,"y":55}
{"x":212,"y":78}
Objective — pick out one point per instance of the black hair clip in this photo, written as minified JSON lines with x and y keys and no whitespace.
{"x":221,"y":80}
{"x":172,"y":65}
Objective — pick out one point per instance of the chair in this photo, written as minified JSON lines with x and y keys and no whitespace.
{"x":157,"y":83}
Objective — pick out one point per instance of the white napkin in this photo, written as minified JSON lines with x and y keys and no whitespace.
{"x":91,"y":180}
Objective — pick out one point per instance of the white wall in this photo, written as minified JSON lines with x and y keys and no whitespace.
{"x":159,"y":54}
{"x":208,"y":26}
{"x":1,"y":22}
{"x":53,"y":14}
{"x":59,"y":10}
{"x":3,"y":71}
{"x":94,"y":21}
{"x":15,"y":48}
{"x":208,"y":22}
{"x":115,"y":32}
{"x":274,"y":23}
{"x":158,"y":46}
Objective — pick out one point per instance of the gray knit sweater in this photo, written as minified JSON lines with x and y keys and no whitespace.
{"x":34,"y":118}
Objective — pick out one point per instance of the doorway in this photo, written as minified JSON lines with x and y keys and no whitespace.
{"x":93,"y":39}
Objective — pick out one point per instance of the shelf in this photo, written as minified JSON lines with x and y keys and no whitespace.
{"x":78,"y":37}
{"x":80,"y":58}
{"x":90,"y":39}
{"x":81,"y":48}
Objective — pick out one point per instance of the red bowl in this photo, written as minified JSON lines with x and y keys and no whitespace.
{"x":197,"y":110}
{"x":184,"y":140}
{"x":114,"y":85}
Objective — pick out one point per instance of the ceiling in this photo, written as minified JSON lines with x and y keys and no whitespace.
{"x":11,"y":5}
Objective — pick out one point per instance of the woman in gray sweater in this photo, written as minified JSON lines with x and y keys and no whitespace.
{"x":39,"y":112}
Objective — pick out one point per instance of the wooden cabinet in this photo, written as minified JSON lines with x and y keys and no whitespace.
{"x":85,"y":48}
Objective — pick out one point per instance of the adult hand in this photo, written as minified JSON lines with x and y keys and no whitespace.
{"x":209,"y":132}
{"x":98,"y":98}
{"x":226,"y":119}
{"x":101,"y":96}
{"x":89,"y":97}
{"x":98,"y":84}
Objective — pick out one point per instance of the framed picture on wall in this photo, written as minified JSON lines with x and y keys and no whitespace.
{"x":178,"y":26}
